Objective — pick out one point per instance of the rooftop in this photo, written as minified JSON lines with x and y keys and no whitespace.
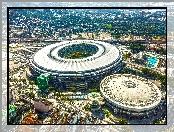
{"x":130,"y":92}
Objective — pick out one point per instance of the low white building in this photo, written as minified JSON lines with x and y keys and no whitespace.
{"x":47,"y":120}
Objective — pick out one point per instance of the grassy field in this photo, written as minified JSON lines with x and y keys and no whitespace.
{"x":78,"y":55}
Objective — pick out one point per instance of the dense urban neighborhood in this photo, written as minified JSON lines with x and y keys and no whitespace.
{"x":78,"y":97}
{"x":41,"y":100}
{"x":87,"y":24}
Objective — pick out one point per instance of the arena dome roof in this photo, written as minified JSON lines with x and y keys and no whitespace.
{"x":130,"y":92}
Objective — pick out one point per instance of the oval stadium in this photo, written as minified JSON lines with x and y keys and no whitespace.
{"x":129,"y":93}
{"x":76,"y":63}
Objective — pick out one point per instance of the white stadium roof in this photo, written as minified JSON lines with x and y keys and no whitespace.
{"x":106,"y":54}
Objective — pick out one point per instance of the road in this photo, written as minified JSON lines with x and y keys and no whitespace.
{"x":135,"y":66}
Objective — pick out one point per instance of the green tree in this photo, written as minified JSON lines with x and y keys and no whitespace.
{"x":122,"y":121}
{"x":94,"y":90}
{"x":124,"y":70}
{"x":19,"y":91}
{"x":69,"y":110}
{"x":145,"y":71}
{"x":109,"y":26}
{"x":32,"y":84}
{"x":92,"y":36}
{"x":45,"y":96}
{"x":54,"y":91}
{"x":73,"y":89}
{"x":15,"y":80}
{"x":87,"y":107}
{"x":125,"y":56}
{"x":31,"y":95}
{"x":50,"y":88}
{"x":106,"y":112}
{"x":162,"y":79}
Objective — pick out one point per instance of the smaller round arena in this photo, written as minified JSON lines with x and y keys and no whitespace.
{"x":131,"y":93}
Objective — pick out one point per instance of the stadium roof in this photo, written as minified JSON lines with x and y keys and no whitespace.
{"x":106,"y":54}
{"x":130,"y":92}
